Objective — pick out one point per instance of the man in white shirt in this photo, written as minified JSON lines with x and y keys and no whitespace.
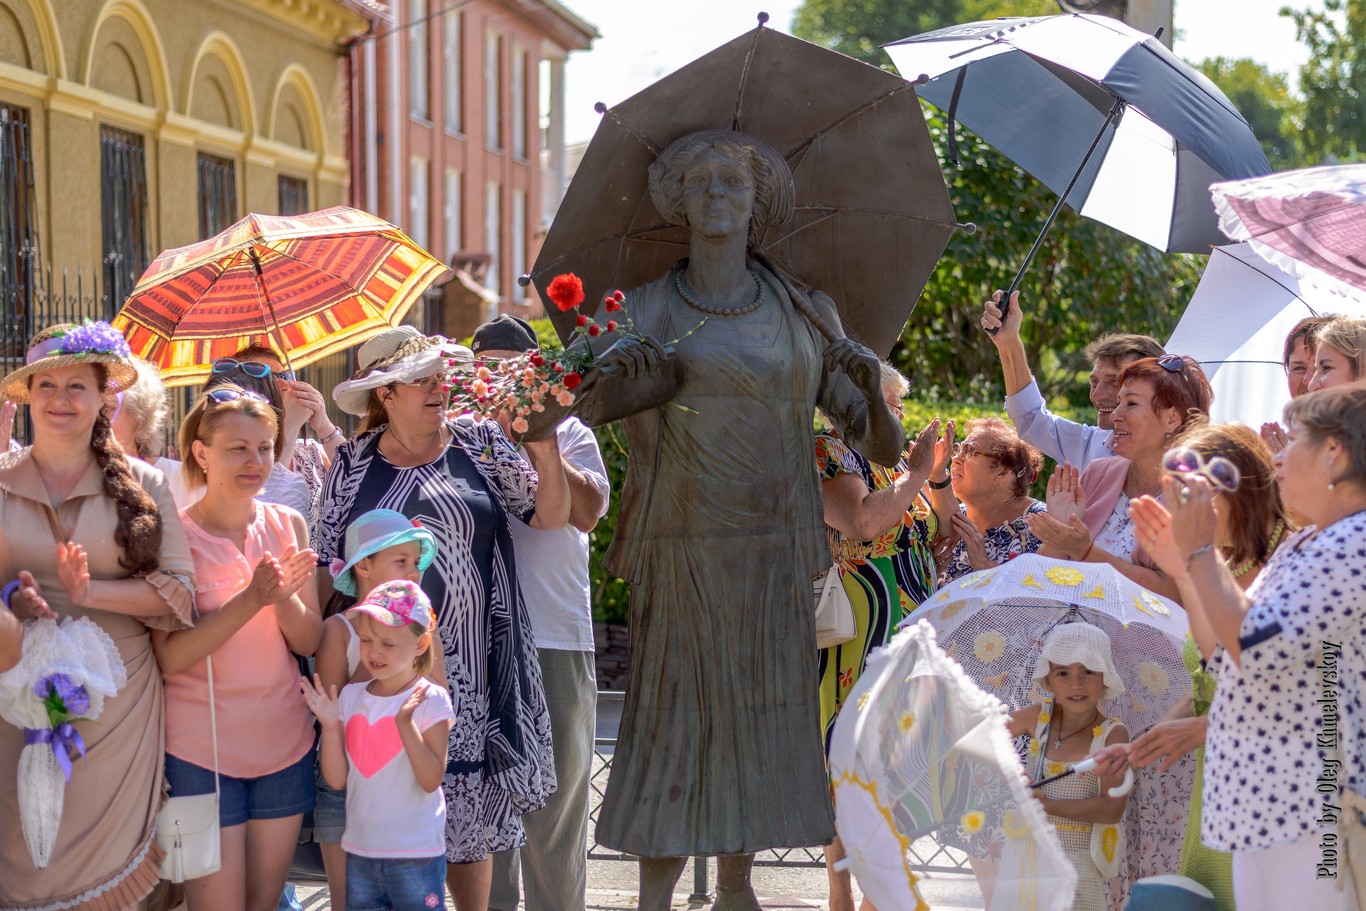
{"x":552,"y":570}
{"x":1056,"y":437}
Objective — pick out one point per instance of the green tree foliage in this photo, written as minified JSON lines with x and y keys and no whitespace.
{"x":1264,"y":99}
{"x":859,"y":28}
{"x":1333,"y":81}
{"x":1087,"y":278}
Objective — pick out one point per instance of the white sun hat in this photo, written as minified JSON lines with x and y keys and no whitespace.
{"x":398,"y":355}
{"x":1070,"y":643}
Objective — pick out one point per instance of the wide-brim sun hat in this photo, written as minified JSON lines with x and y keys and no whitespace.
{"x":372,"y":532}
{"x":1070,"y":643}
{"x":87,"y":343}
{"x":396,"y":604}
{"x":398,"y":355}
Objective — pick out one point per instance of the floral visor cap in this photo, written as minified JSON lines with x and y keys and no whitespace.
{"x":397,"y":604}
{"x":1070,"y":643}
{"x":374,"y":531}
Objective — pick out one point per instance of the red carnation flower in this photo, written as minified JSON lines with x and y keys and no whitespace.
{"x":566,"y":291}
{"x":611,"y":305}
{"x":581,"y":320}
{"x":595,"y":329}
{"x":572,"y":380}
{"x":611,"y":325}
{"x":618,"y":296}
{"x":537,"y":360}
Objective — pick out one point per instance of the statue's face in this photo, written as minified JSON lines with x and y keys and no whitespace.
{"x":718,"y":195}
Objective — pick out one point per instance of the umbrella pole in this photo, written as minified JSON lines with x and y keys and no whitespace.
{"x":1115,"y":110}
{"x":270,"y":308}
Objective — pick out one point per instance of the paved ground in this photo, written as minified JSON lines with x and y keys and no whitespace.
{"x":612,"y":884}
{"x":612,"y":887}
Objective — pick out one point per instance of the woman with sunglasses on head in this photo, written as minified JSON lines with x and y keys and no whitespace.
{"x":258,"y":608}
{"x":86,"y":532}
{"x":1251,"y":523}
{"x":991,"y":472}
{"x":1284,"y":733}
{"x":463,"y":481}
{"x":298,"y":405}
{"x":1088,"y":514}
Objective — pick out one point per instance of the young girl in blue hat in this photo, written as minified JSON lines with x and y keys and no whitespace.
{"x":384,"y":740}
{"x":381,"y":546}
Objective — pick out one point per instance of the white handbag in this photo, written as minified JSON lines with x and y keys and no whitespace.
{"x":834,"y":613}
{"x":187,"y":827}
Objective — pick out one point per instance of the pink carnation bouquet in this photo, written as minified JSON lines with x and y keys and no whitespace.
{"x":521,"y":386}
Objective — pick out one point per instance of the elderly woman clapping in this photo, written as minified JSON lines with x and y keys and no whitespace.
{"x":1088,"y":515}
{"x":991,"y":472}
{"x":1271,"y":749}
{"x":463,"y":481}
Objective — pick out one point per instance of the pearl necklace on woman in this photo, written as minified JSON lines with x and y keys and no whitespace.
{"x":685,"y":293}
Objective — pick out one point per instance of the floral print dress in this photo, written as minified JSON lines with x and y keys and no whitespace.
{"x":886,"y":578}
{"x":1004,"y":542}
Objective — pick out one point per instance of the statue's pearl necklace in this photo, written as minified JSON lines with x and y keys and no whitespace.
{"x":686,"y":294}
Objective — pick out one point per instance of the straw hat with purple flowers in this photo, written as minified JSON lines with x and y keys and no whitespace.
{"x":66,"y":344}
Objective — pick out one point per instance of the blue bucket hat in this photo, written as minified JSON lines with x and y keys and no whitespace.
{"x":374,"y":531}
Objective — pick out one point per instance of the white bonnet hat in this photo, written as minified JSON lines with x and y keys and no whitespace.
{"x":1069,"y":643}
{"x":397,"y":355}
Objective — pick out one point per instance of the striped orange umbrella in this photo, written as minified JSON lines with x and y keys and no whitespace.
{"x":308,"y":285}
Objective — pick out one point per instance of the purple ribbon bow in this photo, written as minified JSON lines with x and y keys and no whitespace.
{"x":63,"y":739}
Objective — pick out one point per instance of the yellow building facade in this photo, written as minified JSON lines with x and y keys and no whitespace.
{"x":153,"y":123}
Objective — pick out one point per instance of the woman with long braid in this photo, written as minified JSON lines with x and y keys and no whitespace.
{"x":84,"y":532}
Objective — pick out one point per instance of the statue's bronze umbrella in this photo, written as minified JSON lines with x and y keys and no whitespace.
{"x":872,"y":214}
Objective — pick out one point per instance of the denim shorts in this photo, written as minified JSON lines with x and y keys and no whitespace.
{"x":287,"y":792}
{"x":400,"y":883}
{"x":329,"y":815}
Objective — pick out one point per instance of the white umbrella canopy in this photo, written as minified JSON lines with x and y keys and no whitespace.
{"x":1236,"y":323}
{"x":920,"y":751}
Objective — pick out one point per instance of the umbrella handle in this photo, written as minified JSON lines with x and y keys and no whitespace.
{"x":1089,"y":764}
{"x":1115,"y":110}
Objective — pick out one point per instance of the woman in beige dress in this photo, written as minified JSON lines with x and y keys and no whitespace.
{"x":90,"y":533}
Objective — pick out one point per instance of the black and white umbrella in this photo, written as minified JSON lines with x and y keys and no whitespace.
{"x":1105,"y":116}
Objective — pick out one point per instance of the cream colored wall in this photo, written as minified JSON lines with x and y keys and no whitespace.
{"x":258,"y":81}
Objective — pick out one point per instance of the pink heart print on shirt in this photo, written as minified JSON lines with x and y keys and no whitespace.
{"x":370,"y":747}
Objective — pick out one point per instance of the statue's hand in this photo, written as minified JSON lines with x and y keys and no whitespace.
{"x":636,"y":357}
{"x":858,"y":363}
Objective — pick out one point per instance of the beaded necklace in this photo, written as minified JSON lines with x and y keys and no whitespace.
{"x":1242,"y":568}
{"x":685,"y":293}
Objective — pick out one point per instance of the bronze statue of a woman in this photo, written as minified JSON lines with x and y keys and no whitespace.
{"x":720,"y":530}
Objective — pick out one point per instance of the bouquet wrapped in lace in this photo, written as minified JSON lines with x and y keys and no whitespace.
{"x":66,"y":673}
{"x":525,"y":386}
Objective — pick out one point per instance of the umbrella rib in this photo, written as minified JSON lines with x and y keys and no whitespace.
{"x":744,"y":80}
{"x":1291,"y":291}
{"x":636,"y":134}
{"x":800,"y":150}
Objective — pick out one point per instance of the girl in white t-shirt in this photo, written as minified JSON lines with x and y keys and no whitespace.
{"x":385,"y":742}
{"x":382,"y":545}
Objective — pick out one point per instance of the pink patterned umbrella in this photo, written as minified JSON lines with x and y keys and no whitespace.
{"x":1309,"y":223}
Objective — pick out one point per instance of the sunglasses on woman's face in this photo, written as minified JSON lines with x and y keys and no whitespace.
{"x":967,"y":449}
{"x":250,"y":368}
{"x":1218,"y":471}
{"x":223,"y":395}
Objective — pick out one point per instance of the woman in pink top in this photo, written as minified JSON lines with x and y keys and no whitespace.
{"x":252,"y":564}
